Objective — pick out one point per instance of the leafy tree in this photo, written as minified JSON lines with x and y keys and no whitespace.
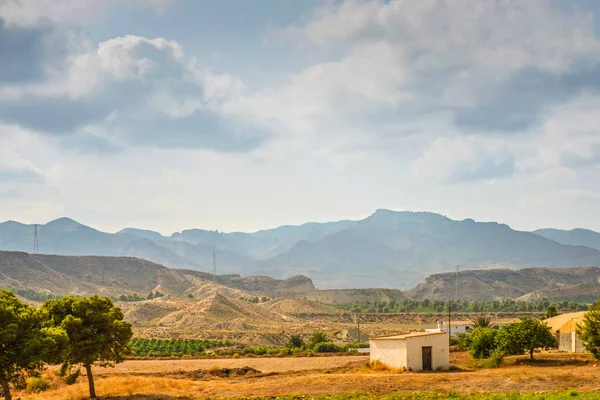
{"x":551,"y":311}
{"x":482,"y":322}
{"x":27,"y":341}
{"x":190,"y":296}
{"x":96,"y":330}
{"x":482,"y":342}
{"x":525,"y":336}
{"x":316,"y":338}
{"x":296,"y":341}
{"x":150,"y":296}
{"x":589,"y":330}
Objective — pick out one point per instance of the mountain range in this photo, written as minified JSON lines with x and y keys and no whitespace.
{"x":387,"y":249}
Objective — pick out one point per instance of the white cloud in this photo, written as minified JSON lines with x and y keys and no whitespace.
{"x":464,"y":159}
{"x":32,"y":12}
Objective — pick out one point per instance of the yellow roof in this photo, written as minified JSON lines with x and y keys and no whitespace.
{"x":407,"y":336}
{"x":555,"y":323}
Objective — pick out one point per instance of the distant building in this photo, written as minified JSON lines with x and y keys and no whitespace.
{"x":419,"y":351}
{"x":457,"y":327}
{"x":564,"y":327}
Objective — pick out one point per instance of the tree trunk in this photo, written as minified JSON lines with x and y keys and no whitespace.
{"x":88,"y":370}
{"x":531,"y":354}
{"x":5,"y":389}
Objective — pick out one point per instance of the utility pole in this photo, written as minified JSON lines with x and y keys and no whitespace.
{"x":214,"y":266}
{"x":36,"y":244}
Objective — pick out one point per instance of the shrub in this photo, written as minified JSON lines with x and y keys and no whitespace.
{"x":494,"y":361}
{"x":482,"y":342}
{"x":326,"y":347}
{"x":316,"y":338}
{"x":589,"y":330}
{"x":236,"y":355}
{"x":296,"y":341}
{"x":37,"y":384}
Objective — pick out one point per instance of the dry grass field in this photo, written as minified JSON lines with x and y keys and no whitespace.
{"x":168,"y":380}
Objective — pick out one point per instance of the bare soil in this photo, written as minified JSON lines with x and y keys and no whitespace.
{"x":265,"y":365}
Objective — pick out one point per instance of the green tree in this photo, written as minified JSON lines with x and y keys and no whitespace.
{"x":27,"y":341}
{"x":150,"y":296}
{"x":589,"y":330}
{"x":296,"y":341}
{"x":316,"y":338}
{"x":525,"y":336}
{"x":551,"y":311}
{"x":482,"y":322}
{"x":482,"y":342}
{"x":96,"y":330}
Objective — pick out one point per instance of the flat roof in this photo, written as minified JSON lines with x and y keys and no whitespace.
{"x":407,"y":335}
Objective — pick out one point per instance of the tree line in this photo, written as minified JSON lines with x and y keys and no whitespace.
{"x":440,"y":306}
{"x":73,"y":331}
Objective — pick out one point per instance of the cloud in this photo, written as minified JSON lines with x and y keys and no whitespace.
{"x":464,"y":159}
{"x":32,"y":12}
{"x":139,"y":91}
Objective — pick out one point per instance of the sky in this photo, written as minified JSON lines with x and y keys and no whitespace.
{"x":242,"y":115}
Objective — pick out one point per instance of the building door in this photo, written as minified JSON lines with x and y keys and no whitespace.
{"x":427,"y":358}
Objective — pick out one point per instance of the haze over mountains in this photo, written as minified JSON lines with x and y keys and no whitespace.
{"x":386,"y":249}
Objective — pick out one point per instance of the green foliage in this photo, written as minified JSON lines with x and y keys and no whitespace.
{"x":482,"y":322}
{"x":96,"y":330}
{"x":493,"y":361}
{"x":327,"y":347}
{"x":525,"y":336}
{"x":551,"y":311}
{"x":35,"y":296}
{"x":316,"y":338}
{"x":256,"y":300}
{"x":589,"y":330}
{"x":173,"y":347}
{"x":296,"y":341}
{"x":438,"y":306}
{"x":482,"y":342}
{"x":37,"y":384}
{"x":27,"y":340}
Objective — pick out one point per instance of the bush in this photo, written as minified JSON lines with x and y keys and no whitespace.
{"x":326,"y":347}
{"x":296,"y":341}
{"x":494,"y":361}
{"x":482,"y":342}
{"x":316,"y":338}
{"x":37,"y":384}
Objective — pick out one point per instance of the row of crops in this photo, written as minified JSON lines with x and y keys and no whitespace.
{"x":174,"y":347}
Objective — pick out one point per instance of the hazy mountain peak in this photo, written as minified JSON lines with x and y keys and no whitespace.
{"x":63,"y":222}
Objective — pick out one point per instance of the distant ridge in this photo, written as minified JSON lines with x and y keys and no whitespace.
{"x":387,"y":249}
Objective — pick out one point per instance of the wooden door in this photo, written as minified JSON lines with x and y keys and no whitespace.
{"x":427,"y":354}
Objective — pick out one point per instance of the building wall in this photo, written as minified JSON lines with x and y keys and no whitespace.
{"x":567,"y":337}
{"x":389,"y":352}
{"x":440,"y":358}
{"x":407,"y":353}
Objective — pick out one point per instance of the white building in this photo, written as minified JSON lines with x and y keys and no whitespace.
{"x":457,"y":327}
{"x":419,"y":351}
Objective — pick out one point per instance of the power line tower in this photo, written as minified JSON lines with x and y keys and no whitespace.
{"x":214,"y":266}
{"x":36,"y":243}
{"x":456,"y":284}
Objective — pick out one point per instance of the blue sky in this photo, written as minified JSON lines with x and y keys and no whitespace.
{"x":239,"y":115}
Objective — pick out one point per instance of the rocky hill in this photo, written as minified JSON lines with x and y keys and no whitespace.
{"x":115,"y":276}
{"x":495,"y":284}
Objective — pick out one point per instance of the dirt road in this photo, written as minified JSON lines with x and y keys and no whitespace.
{"x":265,"y":365}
